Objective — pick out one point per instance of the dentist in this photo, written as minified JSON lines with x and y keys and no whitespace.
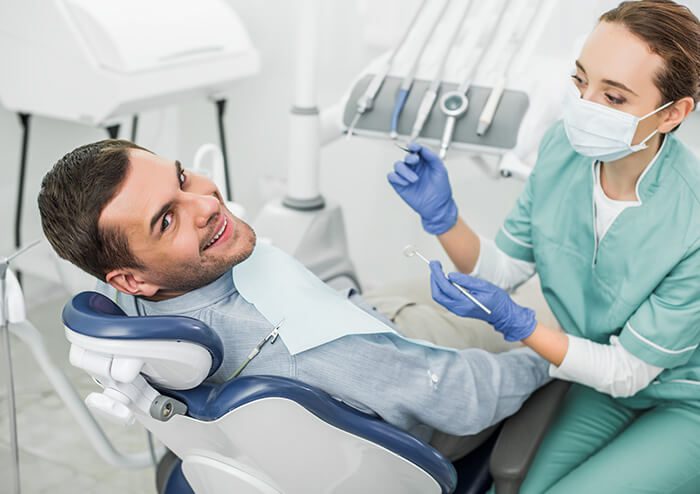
{"x":610,"y":221}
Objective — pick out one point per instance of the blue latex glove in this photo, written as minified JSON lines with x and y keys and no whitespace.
{"x":507,"y":317}
{"x":421,"y":181}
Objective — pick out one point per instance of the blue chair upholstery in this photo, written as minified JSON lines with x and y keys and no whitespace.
{"x":93,"y":314}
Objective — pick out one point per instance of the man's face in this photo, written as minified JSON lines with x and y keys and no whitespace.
{"x":177,"y":227}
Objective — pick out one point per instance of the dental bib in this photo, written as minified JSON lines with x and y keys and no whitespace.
{"x":311,"y":313}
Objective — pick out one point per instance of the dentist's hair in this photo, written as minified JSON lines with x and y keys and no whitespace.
{"x":72,"y":196}
{"x":671,"y":31}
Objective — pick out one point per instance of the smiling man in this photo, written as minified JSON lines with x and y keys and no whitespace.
{"x":163,"y":242}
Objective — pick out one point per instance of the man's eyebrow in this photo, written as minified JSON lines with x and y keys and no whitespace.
{"x":164,"y":209}
{"x":609,"y":82}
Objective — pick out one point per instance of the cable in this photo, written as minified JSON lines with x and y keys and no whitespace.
{"x":221,"y":110}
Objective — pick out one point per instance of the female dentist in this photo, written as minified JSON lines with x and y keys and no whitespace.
{"x":610,"y":220}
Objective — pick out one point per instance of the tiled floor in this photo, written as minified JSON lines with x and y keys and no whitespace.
{"x":55,"y":455}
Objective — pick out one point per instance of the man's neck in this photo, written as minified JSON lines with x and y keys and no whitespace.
{"x":619,"y":178}
{"x":162,"y":294}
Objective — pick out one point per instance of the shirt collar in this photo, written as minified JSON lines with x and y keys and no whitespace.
{"x":649,"y":180}
{"x":196,"y":299}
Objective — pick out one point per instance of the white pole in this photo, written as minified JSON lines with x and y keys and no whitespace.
{"x":304,"y":136}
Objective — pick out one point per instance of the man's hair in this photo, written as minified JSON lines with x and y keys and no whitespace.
{"x":72,"y":196}
{"x":671,"y":31}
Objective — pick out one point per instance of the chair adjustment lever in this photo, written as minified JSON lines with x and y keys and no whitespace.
{"x":164,"y":408}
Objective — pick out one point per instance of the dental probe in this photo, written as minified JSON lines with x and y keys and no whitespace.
{"x":454,"y":104}
{"x":487,"y":114}
{"x":410,"y":251}
{"x":407,"y":83}
{"x":430,"y":95}
{"x":366,"y":101}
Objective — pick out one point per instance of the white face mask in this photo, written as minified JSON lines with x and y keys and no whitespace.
{"x":601,"y":132}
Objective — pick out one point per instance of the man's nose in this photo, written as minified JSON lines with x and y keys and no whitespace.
{"x":205,"y":207}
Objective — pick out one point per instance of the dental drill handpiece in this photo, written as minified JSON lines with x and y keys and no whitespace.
{"x":454,"y":104}
{"x":410,"y":251}
{"x":365,"y":102}
{"x":407,"y":82}
{"x":430,"y":95}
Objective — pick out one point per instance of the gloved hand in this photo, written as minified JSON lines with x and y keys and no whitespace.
{"x":421,"y":180}
{"x":507,"y":317}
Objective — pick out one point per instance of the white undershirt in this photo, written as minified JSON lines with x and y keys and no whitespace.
{"x":610,"y":368}
{"x":607,"y":210}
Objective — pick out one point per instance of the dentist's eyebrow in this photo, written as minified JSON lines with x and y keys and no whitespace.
{"x":168,"y":205}
{"x":609,"y":82}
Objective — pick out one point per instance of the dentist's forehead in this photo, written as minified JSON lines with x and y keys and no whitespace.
{"x":613,"y":52}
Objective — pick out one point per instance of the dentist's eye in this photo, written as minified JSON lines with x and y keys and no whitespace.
{"x":578,"y":80}
{"x":167,"y":221}
{"x":614,"y":100}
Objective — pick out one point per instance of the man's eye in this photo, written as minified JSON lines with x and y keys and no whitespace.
{"x":183,"y":178}
{"x":167,"y":220}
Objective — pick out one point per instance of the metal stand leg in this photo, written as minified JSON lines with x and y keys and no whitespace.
{"x":221,"y":110}
{"x":11,"y":408}
{"x":134,"y":127}
{"x":24,"y":119}
{"x":113,"y":131}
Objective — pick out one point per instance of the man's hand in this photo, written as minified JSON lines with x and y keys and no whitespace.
{"x":421,"y":181}
{"x":515,"y":322}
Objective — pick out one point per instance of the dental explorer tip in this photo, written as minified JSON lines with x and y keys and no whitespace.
{"x":402,"y":147}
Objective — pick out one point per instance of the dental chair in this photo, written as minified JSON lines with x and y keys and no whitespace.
{"x":268,"y":434}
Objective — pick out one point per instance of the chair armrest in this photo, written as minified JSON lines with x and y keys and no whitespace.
{"x":521,"y":436}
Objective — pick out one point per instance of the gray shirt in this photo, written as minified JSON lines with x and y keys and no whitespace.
{"x":411,"y":386}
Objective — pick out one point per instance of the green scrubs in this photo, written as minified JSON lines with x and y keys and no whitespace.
{"x":641,"y":282}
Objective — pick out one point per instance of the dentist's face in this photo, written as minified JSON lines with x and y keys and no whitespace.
{"x":617,"y":69}
{"x":177,"y":227}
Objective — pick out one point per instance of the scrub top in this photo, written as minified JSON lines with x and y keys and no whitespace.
{"x":641,"y":281}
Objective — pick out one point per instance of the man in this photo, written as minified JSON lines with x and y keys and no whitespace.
{"x":163,"y":239}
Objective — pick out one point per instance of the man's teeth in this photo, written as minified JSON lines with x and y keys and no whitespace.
{"x":218,"y":234}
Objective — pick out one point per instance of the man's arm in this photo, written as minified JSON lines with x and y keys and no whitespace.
{"x":408,"y":384}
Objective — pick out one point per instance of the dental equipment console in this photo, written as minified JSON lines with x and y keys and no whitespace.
{"x":449,"y":122}
{"x":502,"y":135}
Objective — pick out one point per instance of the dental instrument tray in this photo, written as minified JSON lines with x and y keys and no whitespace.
{"x":501,"y":136}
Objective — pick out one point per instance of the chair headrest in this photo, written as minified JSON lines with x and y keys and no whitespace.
{"x":94,"y":315}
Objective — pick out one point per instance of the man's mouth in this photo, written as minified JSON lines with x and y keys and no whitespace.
{"x":218,"y":235}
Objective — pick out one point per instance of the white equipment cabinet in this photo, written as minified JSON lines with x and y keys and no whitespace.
{"x":93,"y":60}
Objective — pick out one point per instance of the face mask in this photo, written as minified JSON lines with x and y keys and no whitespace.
{"x":601,"y":132}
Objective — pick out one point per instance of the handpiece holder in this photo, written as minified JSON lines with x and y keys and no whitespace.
{"x":500,"y":137}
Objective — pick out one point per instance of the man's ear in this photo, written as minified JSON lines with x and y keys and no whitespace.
{"x":131,"y":283}
{"x":676,"y":113}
